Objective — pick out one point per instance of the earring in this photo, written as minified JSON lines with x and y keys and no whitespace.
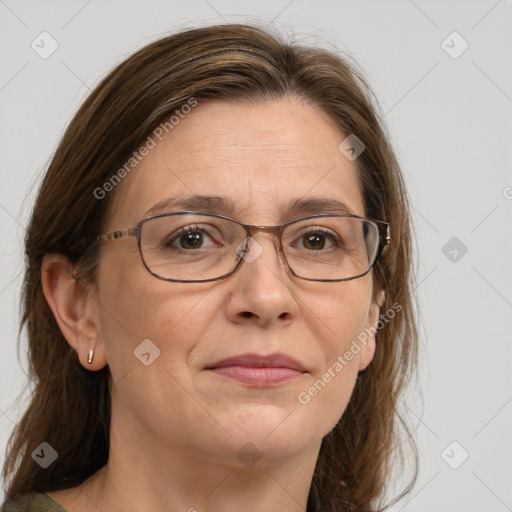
{"x":91,"y":355}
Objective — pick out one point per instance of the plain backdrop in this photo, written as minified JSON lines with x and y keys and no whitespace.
{"x":441,"y":71}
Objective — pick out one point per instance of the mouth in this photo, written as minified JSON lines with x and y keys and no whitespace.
{"x":257,"y":370}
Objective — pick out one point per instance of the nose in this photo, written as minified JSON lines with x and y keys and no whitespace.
{"x":261,"y":290}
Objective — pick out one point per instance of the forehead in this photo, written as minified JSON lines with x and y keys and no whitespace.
{"x":264,"y":160}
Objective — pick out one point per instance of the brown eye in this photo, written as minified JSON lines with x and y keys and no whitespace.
{"x":316,"y":240}
{"x":191,"y":240}
{"x":313,"y":241}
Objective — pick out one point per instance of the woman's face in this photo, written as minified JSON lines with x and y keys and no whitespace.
{"x":261,"y":159}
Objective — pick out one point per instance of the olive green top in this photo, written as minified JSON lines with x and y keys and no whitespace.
{"x":32,"y":502}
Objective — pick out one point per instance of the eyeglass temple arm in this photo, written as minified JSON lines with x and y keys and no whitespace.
{"x":121,"y":233}
{"x":387,"y":238}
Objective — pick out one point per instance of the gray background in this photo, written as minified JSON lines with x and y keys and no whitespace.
{"x":450,"y":120}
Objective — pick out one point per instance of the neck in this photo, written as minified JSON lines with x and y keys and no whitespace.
{"x":141,"y":478}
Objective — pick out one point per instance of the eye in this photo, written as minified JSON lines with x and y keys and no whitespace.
{"x":190,"y":238}
{"x":317,"y":239}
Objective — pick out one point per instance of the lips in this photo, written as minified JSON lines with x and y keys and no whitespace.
{"x":259,"y":370}
{"x":260,"y":361}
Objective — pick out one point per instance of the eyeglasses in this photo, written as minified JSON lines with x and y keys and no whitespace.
{"x":194,"y":247}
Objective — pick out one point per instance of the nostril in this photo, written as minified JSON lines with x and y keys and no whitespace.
{"x":247,"y":314}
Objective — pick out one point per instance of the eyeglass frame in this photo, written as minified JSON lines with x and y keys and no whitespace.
{"x":383,"y":227}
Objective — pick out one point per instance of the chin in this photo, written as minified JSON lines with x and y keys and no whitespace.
{"x":273,"y":432}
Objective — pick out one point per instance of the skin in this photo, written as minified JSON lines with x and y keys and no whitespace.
{"x":176,"y":428}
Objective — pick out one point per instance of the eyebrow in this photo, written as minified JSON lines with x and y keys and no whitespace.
{"x":223,"y":205}
{"x":203,"y":203}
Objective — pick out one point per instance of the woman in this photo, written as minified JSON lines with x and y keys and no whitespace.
{"x":218,"y":289}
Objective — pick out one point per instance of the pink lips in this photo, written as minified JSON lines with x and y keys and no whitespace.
{"x":258,"y":370}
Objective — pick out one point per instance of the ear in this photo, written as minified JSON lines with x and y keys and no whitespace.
{"x":372,"y":320}
{"x":74,"y":308}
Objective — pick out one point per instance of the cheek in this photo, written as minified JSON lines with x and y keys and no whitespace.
{"x":174,"y":317}
{"x":338,"y":318}
{"x":337,"y":315}
{"x":141,"y":307}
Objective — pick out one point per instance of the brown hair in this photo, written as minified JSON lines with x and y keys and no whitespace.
{"x":70,"y":406}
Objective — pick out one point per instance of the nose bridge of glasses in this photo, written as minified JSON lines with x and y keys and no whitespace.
{"x":271,"y":233}
{"x":258,"y":243}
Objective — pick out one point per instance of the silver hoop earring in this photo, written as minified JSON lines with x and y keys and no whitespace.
{"x":91,"y":355}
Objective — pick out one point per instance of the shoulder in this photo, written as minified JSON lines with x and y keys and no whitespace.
{"x":32,"y":502}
